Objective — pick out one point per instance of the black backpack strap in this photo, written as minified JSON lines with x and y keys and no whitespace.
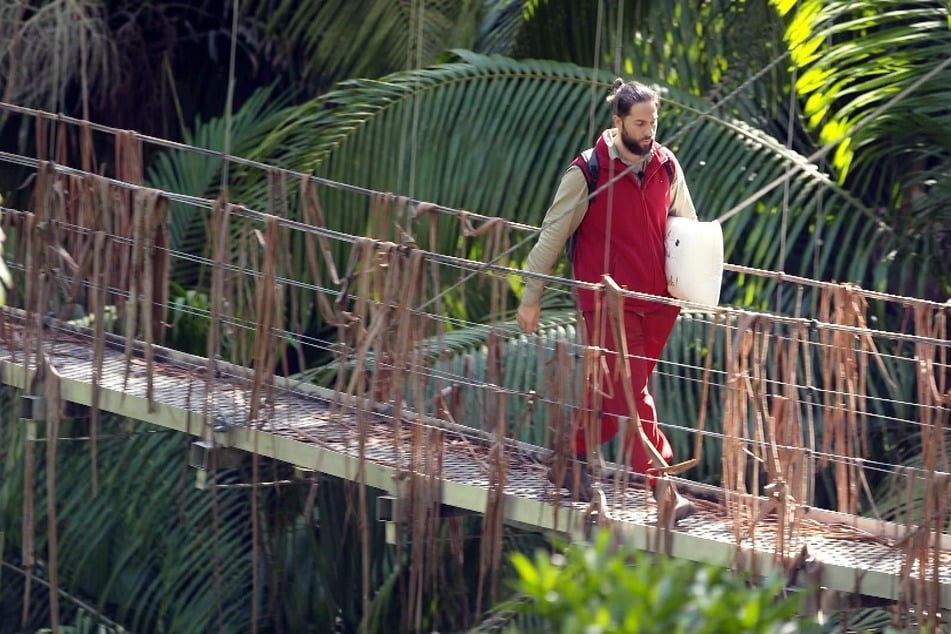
{"x":589,"y":165}
{"x":669,"y":166}
{"x":588,"y":162}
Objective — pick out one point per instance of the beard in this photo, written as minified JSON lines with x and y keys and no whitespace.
{"x":633,"y":146}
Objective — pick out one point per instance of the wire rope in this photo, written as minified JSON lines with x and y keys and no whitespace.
{"x":229,"y":97}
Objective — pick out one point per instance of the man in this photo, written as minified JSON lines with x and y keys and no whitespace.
{"x":619,"y":232}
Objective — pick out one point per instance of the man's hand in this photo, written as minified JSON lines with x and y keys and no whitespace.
{"x":527,"y":317}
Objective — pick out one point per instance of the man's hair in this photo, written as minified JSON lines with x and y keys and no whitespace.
{"x":626,"y":94}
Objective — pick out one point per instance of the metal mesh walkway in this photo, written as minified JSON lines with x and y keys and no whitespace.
{"x":314,"y":430}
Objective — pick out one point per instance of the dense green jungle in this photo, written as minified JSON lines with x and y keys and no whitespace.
{"x":819,"y":128}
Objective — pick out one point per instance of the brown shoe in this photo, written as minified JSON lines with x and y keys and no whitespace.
{"x":668,"y":498}
{"x":575,"y":478}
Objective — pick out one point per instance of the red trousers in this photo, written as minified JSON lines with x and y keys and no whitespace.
{"x":605,"y":398}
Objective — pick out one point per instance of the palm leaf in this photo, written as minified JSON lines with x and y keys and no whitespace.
{"x":874,"y":71}
{"x":199,"y":173}
{"x":126,"y":545}
{"x":331,"y":40}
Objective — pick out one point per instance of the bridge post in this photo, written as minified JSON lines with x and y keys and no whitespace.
{"x":32,"y":412}
{"x":206,"y":457}
{"x":390,"y":511}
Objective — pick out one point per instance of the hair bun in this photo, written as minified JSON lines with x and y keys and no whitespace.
{"x":615,"y":87}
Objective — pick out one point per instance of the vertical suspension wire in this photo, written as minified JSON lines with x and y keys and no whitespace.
{"x":418,"y":63}
{"x":56,"y":99}
{"x":81,"y":17}
{"x":214,"y":345}
{"x":619,"y":33}
{"x":820,"y":215}
{"x":596,"y":67}
{"x":784,"y":221}
{"x":410,"y":129}
{"x":405,"y":123}
{"x":790,"y":125}
{"x":612,"y":177}
{"x":618,"y":50}
{"x":229,"y":99}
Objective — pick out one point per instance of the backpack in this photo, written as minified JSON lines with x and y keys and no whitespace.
{"x":590,"y":166}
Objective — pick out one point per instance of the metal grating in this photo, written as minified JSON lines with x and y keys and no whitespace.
{"x":310,"y":428}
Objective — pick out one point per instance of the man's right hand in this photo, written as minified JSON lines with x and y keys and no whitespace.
{"x":527,"y":317}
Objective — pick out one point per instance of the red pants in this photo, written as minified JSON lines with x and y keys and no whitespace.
{"x":605,"y":399}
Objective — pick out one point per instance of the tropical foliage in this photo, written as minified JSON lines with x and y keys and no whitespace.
{"x":872,"y":89}
{"x":603,"y":588}
{"x":121,"y":548}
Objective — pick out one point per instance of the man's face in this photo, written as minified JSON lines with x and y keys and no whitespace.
{"x":638,"y":127}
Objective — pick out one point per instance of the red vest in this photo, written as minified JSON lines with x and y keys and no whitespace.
{"x":623,"y":230}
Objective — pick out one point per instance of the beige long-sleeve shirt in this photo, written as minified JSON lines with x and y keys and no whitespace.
{"x":568,"y":209}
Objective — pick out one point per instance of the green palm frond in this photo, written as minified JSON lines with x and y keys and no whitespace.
{"x":335,"y":39}
{"x":856,"y":57}
{"x":191,"y":173}
{"x":500,"y":27}
{"x":701,"y":47}
{"x":874,"y":81}
{"x":146,"y":545}
{"x":791,"y":217}
{"x":528,"y":373}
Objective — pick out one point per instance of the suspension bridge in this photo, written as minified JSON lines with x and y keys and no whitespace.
{"x":90,"y":313}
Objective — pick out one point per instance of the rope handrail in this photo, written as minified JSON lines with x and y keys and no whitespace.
{"x":207,"y":203}
{"x":476,"y":267}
